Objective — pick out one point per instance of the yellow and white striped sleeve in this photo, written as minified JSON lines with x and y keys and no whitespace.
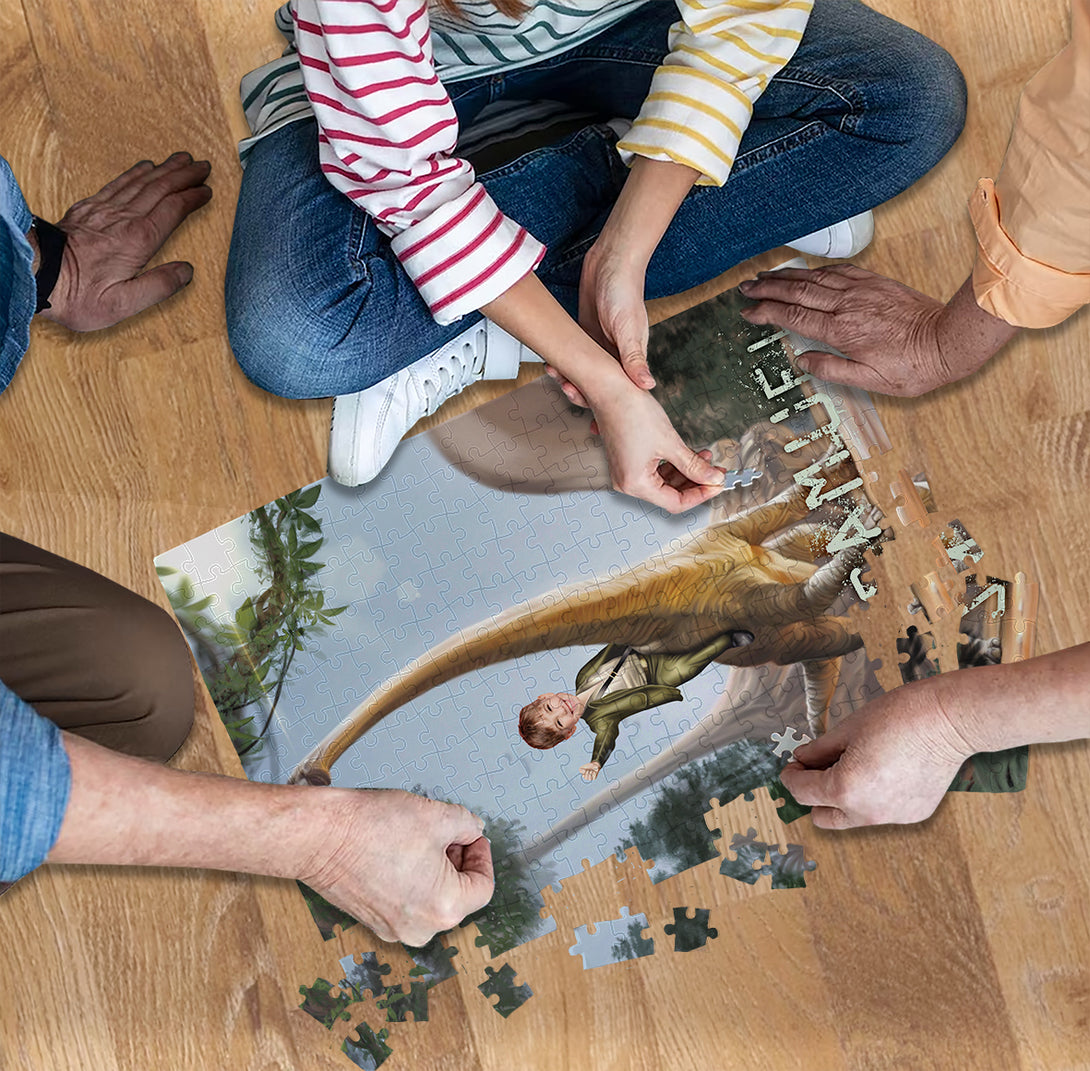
{"x":720,"y":60}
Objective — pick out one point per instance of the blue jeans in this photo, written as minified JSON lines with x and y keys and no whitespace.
{"x":318,"y":305}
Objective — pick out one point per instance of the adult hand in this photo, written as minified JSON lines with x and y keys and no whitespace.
{"x":114,"y":233}
{"x":647,"y":458}
{"x":405,"y":866}
{"x":891,"y":761}
{"x":899,"y":341}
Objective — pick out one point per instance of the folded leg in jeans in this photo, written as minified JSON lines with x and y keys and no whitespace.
{"x":93,"y":657}
{"x":318,"y":305}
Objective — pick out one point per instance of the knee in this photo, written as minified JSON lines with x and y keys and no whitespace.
{"x":929,"y":97}
{"x":274,"y":336}
{"x":146,"y":679}
{"x":300,"y":337}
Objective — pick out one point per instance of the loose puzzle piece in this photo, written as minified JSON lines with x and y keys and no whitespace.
{"x":917,"y":646}
{"x":786,"y":742}
{"x":399,"y":1004}
{"x":613,"y":940}
{"x":501,"y":984}
{"x":363,"y":973}
{"x":320,"y":1003}
{"x":691,"y":932}
{"x":368,"y":1049}
{"x":1018,"y":631}
{"x":910,"y":509}
{"x":433,"y":963}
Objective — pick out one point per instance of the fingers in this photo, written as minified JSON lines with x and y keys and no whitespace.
{"x":458,"y":826}
{"x":476,"y":880}
{"x":832,"y":818}
{"x":168,"y":214}
{"x":835,"y":369}
{"x":821,"y":753}
{"x":115,"y":187}
{"x":813,"y":788}
{"x":796,"y":288}
{"x":805,"y":321}
{"x":171,"y":177}
{"x":567,"y":387}
{"x":134,"y":295}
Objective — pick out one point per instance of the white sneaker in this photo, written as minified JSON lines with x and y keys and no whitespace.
{"x":367,"y":426}
{"x":843,"y":239}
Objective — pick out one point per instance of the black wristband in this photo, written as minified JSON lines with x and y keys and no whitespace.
{"x":51,"y":243}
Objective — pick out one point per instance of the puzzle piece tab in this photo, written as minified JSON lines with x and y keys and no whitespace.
{"x":399,"y":1004}
{"x":320,"y":1003}
{"x":691,"y":932}
{"x":786,"y":742}
{"x":368,"y":1049}
{"x":501,"y":984}
{"x":363,"y":973}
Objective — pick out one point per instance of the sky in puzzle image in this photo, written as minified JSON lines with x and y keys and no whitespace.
{"x":425,"y":551}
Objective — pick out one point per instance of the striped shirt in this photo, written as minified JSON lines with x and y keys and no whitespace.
{"x":368,"y":72}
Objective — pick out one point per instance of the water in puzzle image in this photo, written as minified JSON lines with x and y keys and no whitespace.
{"x":487,"y":623}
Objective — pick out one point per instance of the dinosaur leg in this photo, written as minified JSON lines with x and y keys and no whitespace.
{"x":820,"y":676}
{"x":803,"y":543}
{"x":784,"y":603}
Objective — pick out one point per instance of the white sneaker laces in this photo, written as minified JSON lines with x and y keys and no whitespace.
{"x":452,"y":373}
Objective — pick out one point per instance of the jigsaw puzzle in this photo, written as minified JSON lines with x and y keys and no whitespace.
{"x":613,"y":940}
{"x":441,"y":628}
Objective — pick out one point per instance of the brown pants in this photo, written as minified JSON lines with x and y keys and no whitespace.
{"x":93,"y":657}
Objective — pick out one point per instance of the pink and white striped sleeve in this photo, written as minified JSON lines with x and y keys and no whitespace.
{"x":386,"y":133}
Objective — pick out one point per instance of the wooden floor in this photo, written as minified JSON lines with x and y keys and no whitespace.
{"x":962,"y":943}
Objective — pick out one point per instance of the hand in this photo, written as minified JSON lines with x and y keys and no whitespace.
{"x":891,"y":761}
{"x":647,"y":458}
{"x":611,"y":308}
{"x":405,"y":866}
{"x":590,"y":770}
{"x":899,"y":341}
{"x":114,"y":233}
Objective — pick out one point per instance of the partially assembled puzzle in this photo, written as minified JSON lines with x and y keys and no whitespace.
{"x":447,"y":627}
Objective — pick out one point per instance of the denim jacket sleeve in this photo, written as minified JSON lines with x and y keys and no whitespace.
{"x":18,"y":292}
{"x":35,"y":778}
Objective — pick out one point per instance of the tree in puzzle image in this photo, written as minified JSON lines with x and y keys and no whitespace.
{"x":247,"y":660}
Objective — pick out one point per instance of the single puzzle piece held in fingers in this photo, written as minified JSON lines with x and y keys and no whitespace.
{"x":368,"y":1049}
{"x":693,"y":932}
{"x":787,"y":741}
{"x":501,"y":984}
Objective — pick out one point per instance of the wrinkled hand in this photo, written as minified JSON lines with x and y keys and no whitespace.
{"x":891,"y":333}
{"x":405,"y":866}
{"x":590,"y":770}
{"x":114,"y":233}
{"x":891,"y":761}
{"x":647,"y":458}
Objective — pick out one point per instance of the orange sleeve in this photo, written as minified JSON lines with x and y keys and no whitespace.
{"x":1033,"y":224}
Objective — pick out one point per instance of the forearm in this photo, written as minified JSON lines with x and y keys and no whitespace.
{"x":1040,"y":701}
{"x":651,"y":196}
{"x":968,"y":336}
{"x":529,"y":312}
{"x":126,"y":811}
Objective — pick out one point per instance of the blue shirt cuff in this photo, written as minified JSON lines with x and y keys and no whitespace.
{"x":18,"y":290}
{"x":35,"y":780}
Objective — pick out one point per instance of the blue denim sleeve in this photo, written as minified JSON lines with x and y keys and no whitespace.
{"x":18,"y":291}
{"x":35,"y":778}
